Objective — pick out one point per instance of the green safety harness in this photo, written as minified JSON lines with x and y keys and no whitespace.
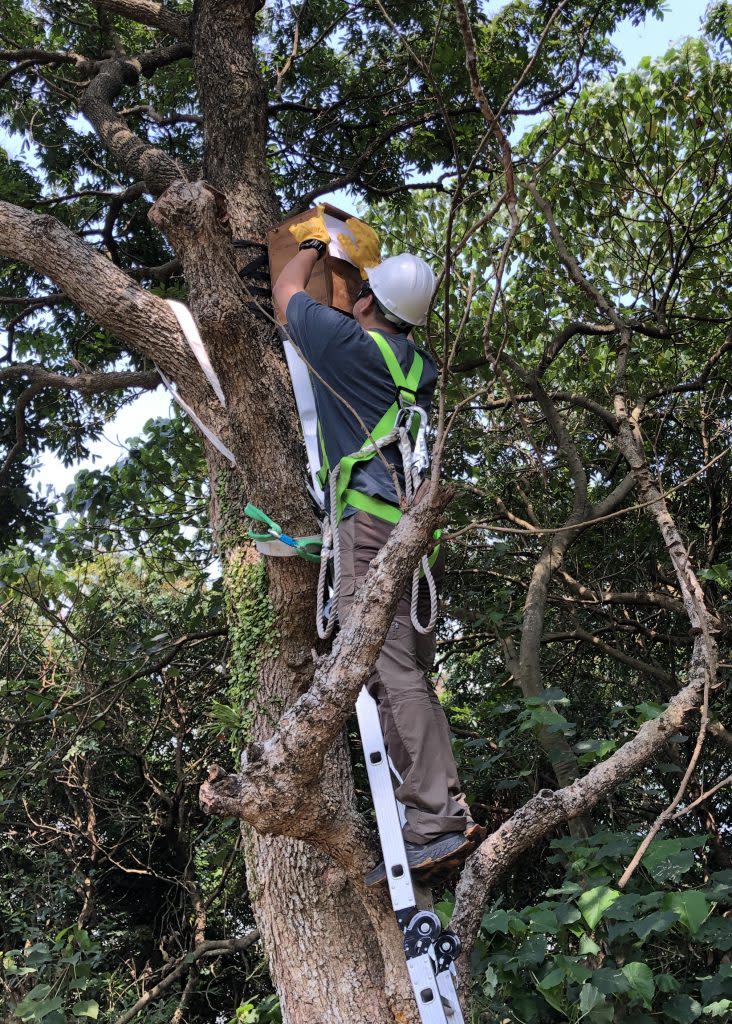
{"x":399,"y":424}
{"x":406,"y":386}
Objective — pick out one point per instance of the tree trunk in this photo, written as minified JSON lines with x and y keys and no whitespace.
{"x":323,"y":955}
{"x":334,"y":949}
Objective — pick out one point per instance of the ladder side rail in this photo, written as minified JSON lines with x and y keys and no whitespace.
{"x":385,"y":805}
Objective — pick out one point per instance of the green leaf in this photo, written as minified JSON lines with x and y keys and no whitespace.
{"x":595,"y":902}
{"x":691,"y":906}
{"x":642,"y":985}
{"x":444,"y":911}
{"x":532,"y":952}
{"x":496,"y":921}
{"x":610,"y":981}
{"x":587,"y":946}
{"x":647,"y":712}
{"x":718,"y":985}
{"x":490,"y":982}
{"x":86,"y":1008}
{"x":38,"y":1010}
{"x":543,"y":921}
{"x":668,"y":859}
{"x":658,"y":922}
{"x":589,"y":998}
{"x":682,"y":1009}
{"x":717,"y":931}
{"x":552,"y":979}
{"x":603,"y":1013}
{"x":718,"y":1009}
{"x":37,"y":992}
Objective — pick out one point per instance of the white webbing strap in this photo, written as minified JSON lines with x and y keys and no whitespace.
{"x":206,"y":431}
{"x":195,"y":343}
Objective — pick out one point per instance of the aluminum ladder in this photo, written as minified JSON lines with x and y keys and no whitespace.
{"x":429,"y":949}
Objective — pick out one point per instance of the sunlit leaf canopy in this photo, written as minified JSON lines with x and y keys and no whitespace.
{"x":360,"y":95}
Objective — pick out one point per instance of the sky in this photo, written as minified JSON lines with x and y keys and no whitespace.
{"x":682,"y":18}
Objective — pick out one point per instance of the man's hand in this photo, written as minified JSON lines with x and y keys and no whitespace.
{"x":363,"y":248}
{"x":313,"y":227}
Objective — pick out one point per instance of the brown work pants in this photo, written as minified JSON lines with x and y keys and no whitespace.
{"x":413,"y":722}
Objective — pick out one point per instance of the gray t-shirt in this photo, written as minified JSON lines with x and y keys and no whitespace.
{"x":349,"y":360}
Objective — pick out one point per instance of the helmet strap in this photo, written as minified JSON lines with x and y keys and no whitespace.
{"x":392,"y":318}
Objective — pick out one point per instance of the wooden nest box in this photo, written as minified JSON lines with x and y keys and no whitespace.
{"x":334,"y":282}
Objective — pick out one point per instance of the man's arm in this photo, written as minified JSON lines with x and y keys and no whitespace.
{"x":294,"y":277}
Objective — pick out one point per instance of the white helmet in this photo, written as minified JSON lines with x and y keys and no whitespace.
{"x":403,"y":285}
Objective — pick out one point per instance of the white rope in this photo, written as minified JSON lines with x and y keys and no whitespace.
{"x":412,"y":481}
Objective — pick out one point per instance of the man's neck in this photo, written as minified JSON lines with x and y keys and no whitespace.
{"x":373,"y":323}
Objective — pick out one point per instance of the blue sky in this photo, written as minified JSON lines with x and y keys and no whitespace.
{"x":682,"y":18}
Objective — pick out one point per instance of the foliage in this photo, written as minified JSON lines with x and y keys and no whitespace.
{"x":587,"y":951}
{"x":125,"y":669}
{"x":113,"y":660}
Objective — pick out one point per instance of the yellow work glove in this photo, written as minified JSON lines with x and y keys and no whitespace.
{"x":313,"y":227}
{"x":363,"y":248}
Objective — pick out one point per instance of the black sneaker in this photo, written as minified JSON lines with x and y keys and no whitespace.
{"x":447,"y":852}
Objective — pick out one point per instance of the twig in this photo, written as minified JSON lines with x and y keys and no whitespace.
{"x":704,"y":796}
{"x":539,"y":531}
{"x":212,"y":947}
{"x":667,"y":814}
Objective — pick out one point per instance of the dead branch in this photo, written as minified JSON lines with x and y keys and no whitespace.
{"x":702,"y":798}
{"x":210,"y":947}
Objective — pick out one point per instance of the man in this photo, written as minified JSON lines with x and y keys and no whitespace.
{"x":395,"y":297}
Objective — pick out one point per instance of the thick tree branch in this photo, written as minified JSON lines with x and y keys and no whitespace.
{"x":279,"y":773}
{"x":86,"y":383}
{"x":31,"y":56}
{"x":621,"y":656}
{"x":151,"y":13}
{"x":140,"y":320}
{"x":138,"y":158}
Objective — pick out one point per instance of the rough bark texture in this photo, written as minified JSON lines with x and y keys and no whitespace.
{"x":141,"y":321}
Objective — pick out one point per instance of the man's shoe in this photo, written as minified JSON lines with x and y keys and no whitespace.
{"x":446,"y":852}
